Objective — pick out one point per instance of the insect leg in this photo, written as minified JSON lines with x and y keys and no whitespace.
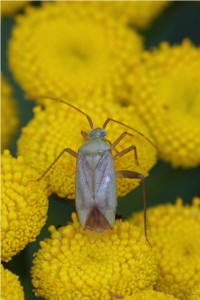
{"x":127,"y":150}
{"x":70,"y":151}
{"x":118,"y":140}
{"x":85,"y":135}
{"x":135,"y":175}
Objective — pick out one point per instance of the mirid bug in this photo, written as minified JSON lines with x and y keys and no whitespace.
{"x":96,"y":196}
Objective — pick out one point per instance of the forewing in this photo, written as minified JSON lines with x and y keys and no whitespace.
{"x":105,"y":182}
{"x":84,"y":183}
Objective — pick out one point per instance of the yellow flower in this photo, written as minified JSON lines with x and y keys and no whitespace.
{"x":85,"y":53}
{"x":59,"y":126}
{"x":137,"y":13}
{"x":9,"y":119}
{"x":166,"y":92}
{"x":195,"y":295}
{"x":24,"y":206}
{"x":10,"y":286}
{"x":11,"y":7}
{"x":174,"y":233}
{"x":150,"y":295}
{"x":73,"y":264}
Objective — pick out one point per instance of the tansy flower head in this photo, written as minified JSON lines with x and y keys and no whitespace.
{"x":195,"y":295}
{"x":85,"y":53}
{"x":166,"y":92}
{"x":137,"y":13}
{"x":24,"y":206}
{"x":9,"y":119}
{"x":174,"y":234}
{"x":10,"y":286}
{"x":11,"y":7}
{"x":59,"y":126}
{"x":74,"y":265}
{"x":150,"y":295}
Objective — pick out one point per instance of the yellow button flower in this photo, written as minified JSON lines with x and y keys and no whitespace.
{"x":150,"y":295}
{"x":137,"y":13}
{"x":166,"y":92}
{"x":10,"y":7}
{"x":195,"y":295}
{"x":10,"y":286}
{"x":73,"y":264}
{"x":24,"y":206}
{"x":174,"y":233}
{"x":59,"y":126}
{"x":85,"y":53}
{"x":9,"y":119}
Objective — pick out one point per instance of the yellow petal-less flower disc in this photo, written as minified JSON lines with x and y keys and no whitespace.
{"x":24,"y":206}
{"x":150,"y":295}
{"x":9,"y":119}
{"x":174,"y":233}
{"x":195,"y":295}
{"x":73,"y":50}
{"x":137,"y":13}
{"x":166,"y":92}
{"x":59,"y":126}
{"x":75,"y":265}
{"x":10,"y":7}
{"x":10,"y":286}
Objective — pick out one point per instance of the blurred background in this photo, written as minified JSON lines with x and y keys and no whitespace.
{"x":164,"y":184}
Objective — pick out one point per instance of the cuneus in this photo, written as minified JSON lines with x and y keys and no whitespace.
{"x":96,"y":195}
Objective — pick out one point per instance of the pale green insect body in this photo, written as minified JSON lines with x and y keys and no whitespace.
{"x":96,"y":196}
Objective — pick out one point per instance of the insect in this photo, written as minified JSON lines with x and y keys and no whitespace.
{"x":96,"y":196}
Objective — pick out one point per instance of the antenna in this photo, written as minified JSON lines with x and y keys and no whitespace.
{"x":74,"y":107}
{"x":127,"y":126}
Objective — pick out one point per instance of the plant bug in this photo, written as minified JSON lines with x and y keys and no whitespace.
{"x":96,"y":196}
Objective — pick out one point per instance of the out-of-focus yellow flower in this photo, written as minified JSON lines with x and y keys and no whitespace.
{"x":195,"y":295}
{"x":137,"y":13}
{"x":11,"y":7}
{"x":24,"y":206}
{"x":9,"y":119}
{"x":73,"y":264}
{"x":85,"y":53}
{"x":10,"y":286}
{"x":174,"y":234}
{"x":166,"y":92}
{"x":150,"y":295}
{"x":59,"y":126}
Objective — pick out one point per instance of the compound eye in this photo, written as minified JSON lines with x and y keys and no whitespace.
{"x":103,"y":132}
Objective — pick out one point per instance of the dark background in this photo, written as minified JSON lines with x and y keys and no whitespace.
{"x":165,"y":184}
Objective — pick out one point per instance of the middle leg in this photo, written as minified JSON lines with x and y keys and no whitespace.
{"x":127,"y":150}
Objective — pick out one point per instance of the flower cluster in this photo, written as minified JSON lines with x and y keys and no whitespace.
{"x":90,"y":55}
{"x":59,"y":126}
{"x":174,"y":233}
{"x":24,"y":205}
{"x":9,"y":119}
{"x":75,"y":264}
{"x":85,"y":53}
{"x":166,"y":93}
{"x":10,"y":286}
